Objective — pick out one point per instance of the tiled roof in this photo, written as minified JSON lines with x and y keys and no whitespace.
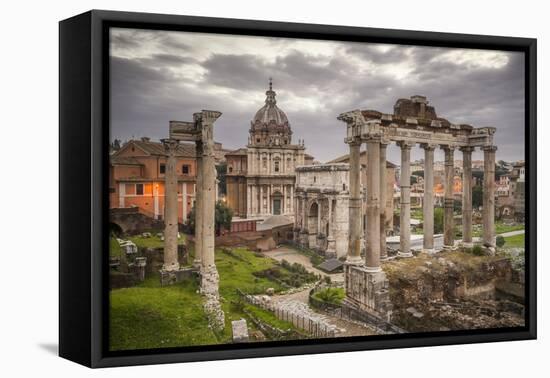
{"x":157,"y":148}
{"x":122,"y":160}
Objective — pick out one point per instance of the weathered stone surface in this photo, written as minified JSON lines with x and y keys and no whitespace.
{"x":170,"y":277}
{"x":368,"y":291}
{"x":240,"y":331}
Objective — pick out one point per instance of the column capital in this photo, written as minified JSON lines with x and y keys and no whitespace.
{"x":489,"y":148}
{"x":170,"y":145}
{"x":405,"y":145}
{"x":353,"y":141}
{"x":373,"y":138}
{"x":467,"y":149}
{"x":428,"y":146}
{"x":449,"y":147}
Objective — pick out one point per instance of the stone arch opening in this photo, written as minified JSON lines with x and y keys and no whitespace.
{"x":277,"y":203}
{"x":313,"y":224}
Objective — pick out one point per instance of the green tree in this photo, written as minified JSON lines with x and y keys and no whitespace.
{"x":438,"y":220}
{"x":477,"y":196}
{"x":222,"y":218}
{"x":221,"y":170}
{"x":500,"y":241}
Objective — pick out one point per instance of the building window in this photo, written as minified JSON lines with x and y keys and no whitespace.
{"x":264,"y":163}
{"x":185,"y":169}
{"x":162,"y":169}
{"x":276,"y":166}
{"x":257,"y":140}
{"x":139,"y":189}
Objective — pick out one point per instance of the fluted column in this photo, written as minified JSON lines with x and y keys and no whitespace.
{"x":405,"y":213}
{"x":448,"y":222}
{"x":355,"y":232}
{"x":467,"y":196}
{"x":428,"y":203}
{"x":372,"y":256}
{"x":199,"y":200}
{"x":383,"y":200}
{"x":170,"y":207}
{"x":489,"y":198}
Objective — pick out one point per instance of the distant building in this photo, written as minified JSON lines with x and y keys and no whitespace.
{"x":136,"y":177}
{"x":261,"y":178}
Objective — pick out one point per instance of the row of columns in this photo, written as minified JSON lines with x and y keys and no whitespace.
{"x":255,"y":203}
{"x":376,"y":198}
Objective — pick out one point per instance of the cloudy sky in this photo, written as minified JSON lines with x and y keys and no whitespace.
{"x":159,"y":76}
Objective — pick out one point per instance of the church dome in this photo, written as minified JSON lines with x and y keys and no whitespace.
{"x":270,"y":112}
{"x":270,"y":124}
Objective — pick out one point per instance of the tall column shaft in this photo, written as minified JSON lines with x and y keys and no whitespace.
{"x":405,"y":213}
{"x":383,"y":200}
{"x":209,"y":203}
{"x":372,"y":258}
{"x":489,"y":197}
{"x":170,"y":208}
{"x":261,"y":205}
{"x":355,"y":213}
{"x":428,"y":203}
{"x":467,"y":196}
{"x":448,"y":223}
{"x":199,"y":199}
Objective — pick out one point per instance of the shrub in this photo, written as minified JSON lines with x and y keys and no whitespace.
{"x":477,"y":250}
{"x":331,"y":295}
{"x":500,"y":241}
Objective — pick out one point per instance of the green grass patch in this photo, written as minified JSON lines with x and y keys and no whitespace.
{"x":332,"y":295}
{"x":115,"y":250}
{"x":152,"y":242}
{"x":501,"y":228}
{"x":516,"y":241}
{"x":269,"y":318}
{"x":150,"y":316}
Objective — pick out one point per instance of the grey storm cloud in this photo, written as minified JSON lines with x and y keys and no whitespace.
{"x":159,"y":76}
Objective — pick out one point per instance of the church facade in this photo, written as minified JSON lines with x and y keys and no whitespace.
{"x":261,"y":178}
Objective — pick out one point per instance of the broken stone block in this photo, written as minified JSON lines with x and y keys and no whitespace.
{"x":129,"y":247}
{"x":240,"y":331}
{"x":270,"y":291}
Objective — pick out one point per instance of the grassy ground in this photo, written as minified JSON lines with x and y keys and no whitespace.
{"x":152,"y":242}
{"x":516,"y":241}
{"x":114,"y":249}
{"x":150,"y":316}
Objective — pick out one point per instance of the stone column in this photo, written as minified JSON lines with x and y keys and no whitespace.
{"x":372,"y":256}
{"x":448,"y":223}
{"x":467,"y":196}
{"x":184,"y":200}
{"x":428,"y":203}
{"x":170,"y":208}
{"x":261,"y":207}
{"x":331,"y":243}
{"x":199,"y":199}
{"x":405,"y":213}
{"x":292,"y":207}
{"x":383,"y":200}
{"x":489,"y":240}
{"x":355,"y":205}
{"x":248,"y":200}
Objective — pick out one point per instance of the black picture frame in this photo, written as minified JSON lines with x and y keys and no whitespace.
{"x":83,"y":182}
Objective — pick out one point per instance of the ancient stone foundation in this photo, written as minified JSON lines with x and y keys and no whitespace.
{"x":170,"y":277}
{"x":212,"y":307}
{"x":368,"y":291}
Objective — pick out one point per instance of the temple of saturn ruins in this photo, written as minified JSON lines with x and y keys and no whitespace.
{"x":413,"y":122}
{"x":201,"y":132}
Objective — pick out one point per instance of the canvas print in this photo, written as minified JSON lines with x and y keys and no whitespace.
{"x":274,"y":189}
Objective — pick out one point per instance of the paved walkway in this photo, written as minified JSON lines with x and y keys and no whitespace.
{"x":292,"y":256}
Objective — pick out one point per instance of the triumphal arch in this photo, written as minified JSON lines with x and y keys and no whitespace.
{"x":413,"y":123}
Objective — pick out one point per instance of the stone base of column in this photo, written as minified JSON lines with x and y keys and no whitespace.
{"x":210,"y":280}
{"x":171,"y":277}
{"x":429,"y":251}
{"x":171,"y":267}
{"x":368,"y":291}
{"x":467,"y":244}
{"x":489,"y":250}
{"x":404,"y":254}
{"x":449,"y":247}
